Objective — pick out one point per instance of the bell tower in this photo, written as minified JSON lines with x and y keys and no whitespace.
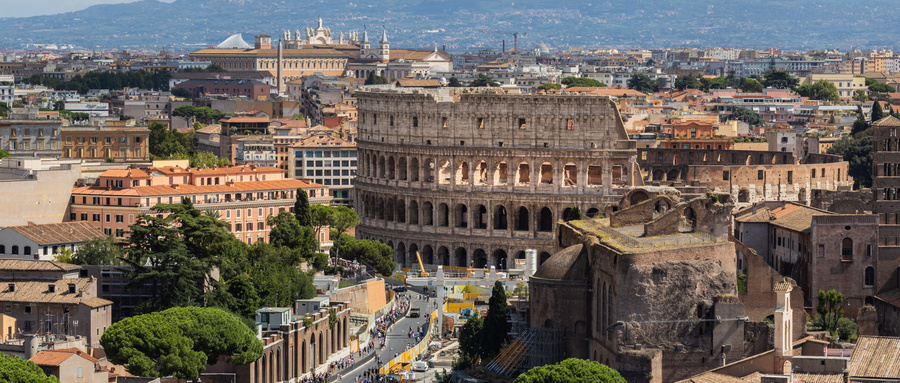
{"x":384,"y":45}
{"x":783,"y":328}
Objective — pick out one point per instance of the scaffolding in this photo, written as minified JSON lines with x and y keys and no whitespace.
{"x":533,"y":347}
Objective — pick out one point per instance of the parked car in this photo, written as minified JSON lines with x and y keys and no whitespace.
{"x":420,"y":366}
{"x":400,"y":289}
{"x":415,"y":312}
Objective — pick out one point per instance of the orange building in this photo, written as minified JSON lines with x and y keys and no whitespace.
{"x":692,"y":130}
{"x":113,"y":140}
{"x":244,"y":196}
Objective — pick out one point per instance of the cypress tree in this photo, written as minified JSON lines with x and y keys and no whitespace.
{"x":301,"y":208}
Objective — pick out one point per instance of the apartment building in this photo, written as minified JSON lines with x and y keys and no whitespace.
{"x":29,"y":132}
{"x":244,"y":196}
{"x":112,"y":140}
{"x":846,"y":84}
{"x":326,"y":160}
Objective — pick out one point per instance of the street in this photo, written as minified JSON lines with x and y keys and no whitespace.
{"x":396,"y":340}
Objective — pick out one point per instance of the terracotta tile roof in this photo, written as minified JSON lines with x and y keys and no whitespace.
{"x":795,"y":217}
{"x":246,"y":119}
{"x":237,"y":187}
{"x":876,"y":357}
{"x":406,"y":54}
{"x":35,"y":265}
{"x":56,"y":233}
{"x":39,"y":292}
{"x":133,"y":173}
{"x":95,"y":302}
{"x":713,"y":377}
{"x":287,"y":53}
{"x":809,"y":377}
{"x":211,"y":129}
{"x":748,"y":216}
{"x":891,"y":297}
{"x":607,"y":91}
{"x":56,"y":357}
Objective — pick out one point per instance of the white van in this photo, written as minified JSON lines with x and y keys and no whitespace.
{"x":420,"y":366}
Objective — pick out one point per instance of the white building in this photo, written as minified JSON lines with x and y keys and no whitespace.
{"x":45,"y":241}
{"x":325,"y":160}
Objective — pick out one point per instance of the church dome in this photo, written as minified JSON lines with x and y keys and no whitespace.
{"x":569,"y":264}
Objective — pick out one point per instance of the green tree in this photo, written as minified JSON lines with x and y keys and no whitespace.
{"x":746,"y":115}
{"x":496,"y":326}
{"x":374,"y":79}
{"x":484,"y":80}
{"x":16,"y":370}
{"x":572,"y":81}
{"x":571,"y":370}
{"x":857,"y":151}
{"x":454,"y":82}
{"x":181,"y":92}
{"x":341,"y":219}
{"x":819,"y":90}
{"x":687,"y":82}
{"x":166,"y":143}
{"x":715,"y":83}
{"x":277,"y":276}
{"x":876,"y":86}
{"x":828,"y":306}
{"x":373,"y":253}
{"x":751,"y":85}
{"x":642,"y":83}
{"x":4,"y":154}
{"x":207,"y":159}
{"x":573,"y":214}
{"x":287,"y":232}
{"x":779,"y":79}
{"x":246,"y":298}
{"x":877,"y":111}
{"x":302,"y":209}
{"x":179,"y":342}
{"x":470,"y":340}
{"x":860,"y":95}
{"x":549,"y":85}
{"x":104,"y":251}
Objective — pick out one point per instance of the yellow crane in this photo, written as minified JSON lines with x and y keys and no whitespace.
{"x":421,"y":266}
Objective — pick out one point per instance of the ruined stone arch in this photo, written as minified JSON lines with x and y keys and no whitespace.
{"x":479,"y":257}
{"x":381,"y":171}
{"x":413,"y":215}
{"x":402,"y":169}
{"x":461,"y":215}
{"x":501,"y":219}
{"x":411,"y":257}
{"x":462,"y":173}
{"x":658,"y":174}
{"x":546,"y":173}
{"x":479,"y":217}
{"x":592,"y":212}
{"x":501,"y":173}
{"x":523,"y":174}
{"x":522,"y":218}
{"x":570,"y":174}
{"x":401,"y":210}
{"x":400,"y":254}
{"x":414,"y":169}
{"x":673,"y":175}
{"x":389,"y":210}
{"x":391,"y":168}
{"x":443,"y":255}
{"x":545,"y":222}
{"x":428,"y":254}
{"x":379,"y":208}
{"x":444,"y":170}
{"x":429,"y":168}
{"x":500,"y":259}
{"x":544,"y":257}
{"x":481,"y":174}
{"x":460,"y":257}
{"x":443,"y":215}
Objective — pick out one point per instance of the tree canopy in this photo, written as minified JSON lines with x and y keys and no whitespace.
{"x":751,"y":85}
{"x":4,"y":154}
{"x":857,"y":150}
{"x":104,"y":251}
{"x":106,"y":80}
{"x":779,"y":79}
{"x":203,"y":114}
{"x":876,"y":86}
{"x":746,"y":115}
{"x":301,"y":208}
{"x":179,"y":342}
{"x":549,"y":86}
{"x":820,"y":90}
{"x":687,"y":82}
{"x":642,"y":83}
{"x":375,"y":79}
{"x":572,"y":81}
{"x":571,"y":370}
{"x":496,"y":326}
{"x":16,"y":370}
{"x":454,"y":82}
{"x":181,"y":92}
{"x":484,"y":80}
{"x":374,"y":253}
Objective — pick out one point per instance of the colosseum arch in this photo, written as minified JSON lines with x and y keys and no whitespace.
{"x":381,"y":172}
{"x":501,"y":173}
{"x":744,"y":195}
{"x":689,"y":217}
{"x":443,"y":255}
{"x":570,"y":175}
{"x":479,"y":217}
{"x":379,"y":208}
{"x":460,"y":257}
{"x":401,"y":169}
{"x":501,"y":221}
{"x":391,"y":168}
{"x":479,"y":257}
{"x":411,"y":255}
{"x":427,"y":214}
{"x":443,"y":215}
{"x":637,"y":197}
{"x":522,"y":219}
{"x":413,"y":212}
{"x":481,"y":174}
{"x":428,"y":168}
{"x":499,"y":259}
{"x":461,"y":215}
{"x":523,"y":175}
{"x":400,"y":254}
{"x":674,"y":175}
{"x":444,"y":177}
{"x":546,"y":173}
{"x":546,"y":220}
{"x":658,"y":174}
{"x":321,"y":354}
{"x":543,"y":257}
{"x":462,"y":173}
{"x":595,"y":175}
{"x":389,"y":210}
{"x":592,"y":212}
{"x":414,"y":169}
{"x":428,"y":254}
{"x":401,"y":211}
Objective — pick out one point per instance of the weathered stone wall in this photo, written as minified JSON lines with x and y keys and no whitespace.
{"x":843,"y":202}
{"x":829,"y":269}
{"x":475,"y":179}
{"x":759,"y":299}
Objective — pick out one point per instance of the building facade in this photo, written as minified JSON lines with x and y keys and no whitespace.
{"x":475,"y":179}
{"x":113,"y":140}
{"x":28,"y":133}
{"x":327,"y":161}
{"x":244,"y":196}
{"x":44,"y":241}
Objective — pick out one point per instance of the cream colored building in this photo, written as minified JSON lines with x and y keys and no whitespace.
{"x":846,"y":84}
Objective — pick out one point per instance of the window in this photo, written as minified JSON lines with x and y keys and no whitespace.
{"x":27,"y":250}
{"x":846,"y":249}
{"x":760,"y":174}
{"x":120,"y":218}
{"x":869,"y":278}
{"x":96,"y":217}
{"x":27,"y":309}
{"x":522,"y":123}
{"x":726,"y":175}
{"x":84,"y":217}
{"x":570,"y":124}
{"x":790,"y":177}
{"x":108,"y":218}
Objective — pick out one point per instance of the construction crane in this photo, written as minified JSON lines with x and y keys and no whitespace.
{"x":421,"y":266}
{"x":515,"y":37}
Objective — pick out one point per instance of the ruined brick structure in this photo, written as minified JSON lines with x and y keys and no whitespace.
{"x":626,"y":283}
{"x":748,"y":176}
{"x":475,"y":179}
{"x":886,"y":195}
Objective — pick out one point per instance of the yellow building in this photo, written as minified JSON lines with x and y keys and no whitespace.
{"x":846,"y":84}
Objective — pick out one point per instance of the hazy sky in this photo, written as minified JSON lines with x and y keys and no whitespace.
{"x":23,"y":8}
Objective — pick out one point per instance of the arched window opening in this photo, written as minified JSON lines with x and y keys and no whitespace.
{"x":570,"y":173}
{"x":443,"y":215}
{"x":427,"y":214}
{"x":522,"y":219}
{"x":479,"y":257}
{"x":524,"y":175}
{"x":462,"y":173}
{"x":459,"y":257}
{"x":546,"y":173}
{"x":391,"y":168}
{"x":847,"y":249}
{"x":869,"y":279}
{"x":480,"y":218}
{"x":500,"y":218}
{"x":501,"y":174}
{"x":461,"y":216}
{"x":413,"y":213}
{"x":481,"y":174}
{"x":546,"y":222}
{"x":444,"y":177}
{"x":414,"y":169}
{"x":402,"y":169}
{"x":595,"y":175}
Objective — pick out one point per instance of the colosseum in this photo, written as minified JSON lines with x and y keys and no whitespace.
{"x":474,"y":179}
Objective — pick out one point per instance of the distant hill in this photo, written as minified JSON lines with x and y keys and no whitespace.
{"x":462,"y":24}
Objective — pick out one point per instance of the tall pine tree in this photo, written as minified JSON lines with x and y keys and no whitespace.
{"x":877,"y":112}
{"x":496,"y":326}
{"x":301,"y":208}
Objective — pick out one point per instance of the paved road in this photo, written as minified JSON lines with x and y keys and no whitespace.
{"x":396,"y":338}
